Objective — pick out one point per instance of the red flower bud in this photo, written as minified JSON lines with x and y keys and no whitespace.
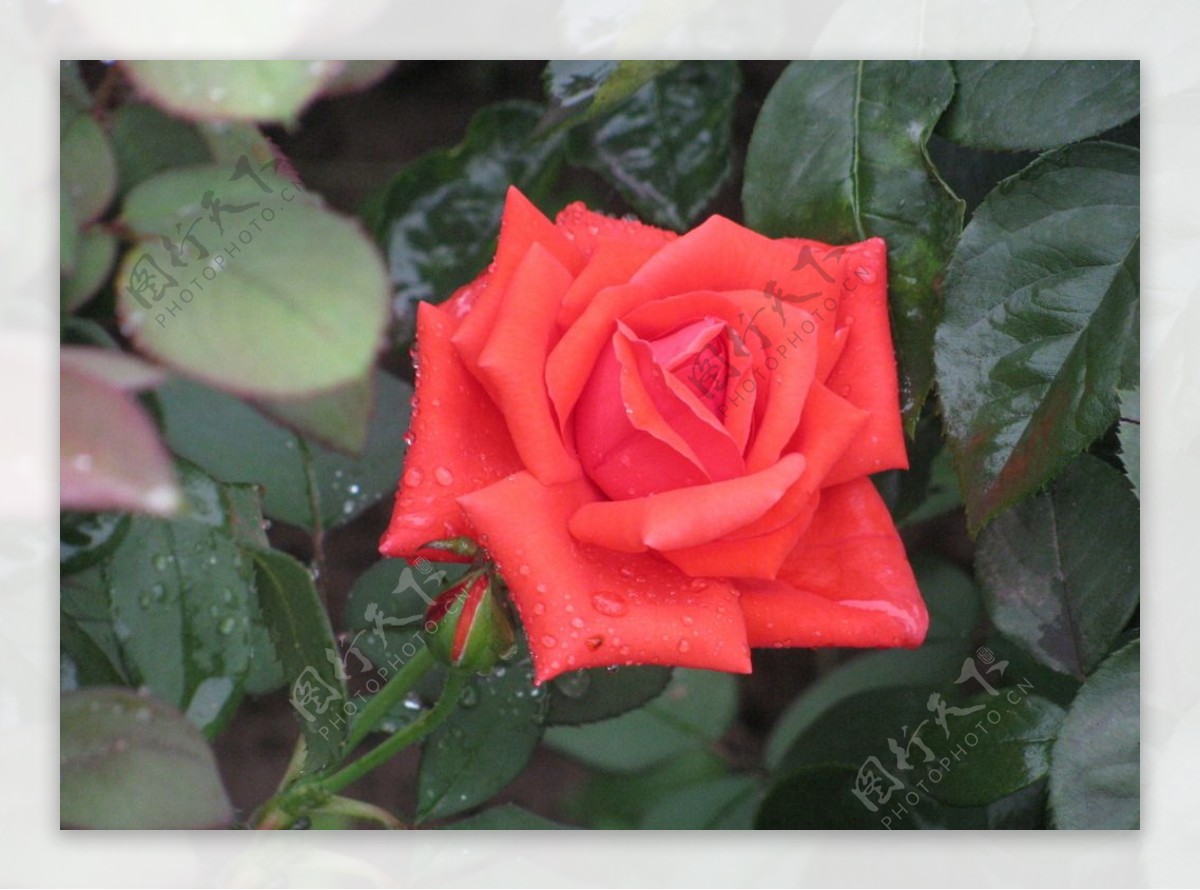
{"x":470,"y":626}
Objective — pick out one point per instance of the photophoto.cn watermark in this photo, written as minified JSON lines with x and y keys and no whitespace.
{"x":711,"y":361}
{"x":200,"y":250}
{"x":896,"y":790}
{"x":319,"y":701}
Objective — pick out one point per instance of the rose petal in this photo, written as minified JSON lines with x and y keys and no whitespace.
{"x":521,"y":226}
{"x":460,"y":443}
{"x":829,"y":427}
{"x":585,"y":606}
{"x":574,"y":357}
{"x":513,"y":363}
{"x":685,"y":517}
{"x":659,"y":404}
{"x":612,"y":264}
{"x":737,"y":556}
{"x":589,"y":229}
{"x":847,"y":583}
{"x":865,"y":374}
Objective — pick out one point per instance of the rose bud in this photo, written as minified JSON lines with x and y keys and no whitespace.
{"x":468,"y":626}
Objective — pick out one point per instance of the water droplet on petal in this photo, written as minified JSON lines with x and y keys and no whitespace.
{"x":684,"y":645}
{"x":413,"y":477}
{"x":443,"y":476}
{"x":577,"y":622}
{"x":609,"y":603}
{"x":549,"y":641}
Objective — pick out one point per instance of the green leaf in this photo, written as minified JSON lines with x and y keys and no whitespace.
{"x":89,"y":640}
{"x":484,"y":744}
{"x":1010,"y":754}
{"x":235,"y":443}
{"x":68,"y":235}
{"x":147,"y":142}
{"x":232,"y":90}
{"x":84,"y":539}
{"x":110,"y":454}
{"x":599,"y":693}
{"x":88,"y":171}
{"x":96,"y":251}
{"x":927,"y":488}
{"x":437,"y":220}
{"x":728,"y":802}
{"x":933,"y":663}
{"x":243,"y":281}
{"x":338,"y":419}
{"x":819,"y":797}
{"x":1060,"y":571}
{"x":304,"y":643}
{"x":506,"y":817}
{"x":580,"y":90}
{"x":1028,"y":104}
{"x":667,"y":148}
{"x":130,"y":761}
{"x":182,"y":598}
{"x":622,"y":800}
{"x":1041,"y":322}
{"x":695,"y":710}
{"x":838,"y":153}
{"x":1129,"y":431}
{"x":1094,"y":771}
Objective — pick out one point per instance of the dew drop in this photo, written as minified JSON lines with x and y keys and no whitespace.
{"x":412,"y":702}
{"x":413,"y":477}
{"x":469,"y":697}
{"x":541,"y":588}
{"x":699,"y":584}
{"x":577,"y":622}
{"x":443,"y":476}
{"x":609,"y":603}
{"x":227,"y":625}
{"x":549,"y":641}
{"x":573,"y":685}
{"x":687,"y":619}
{"x":684,"y":645}
{"x":539,"y":608}
{"x":524,"y":570}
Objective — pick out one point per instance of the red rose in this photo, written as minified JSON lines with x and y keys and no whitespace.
{"x":664,"y":442}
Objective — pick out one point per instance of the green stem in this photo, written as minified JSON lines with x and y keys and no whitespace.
{"x":383,"y":701}
{"x":418,"y":729}
{"x":360,"y":809}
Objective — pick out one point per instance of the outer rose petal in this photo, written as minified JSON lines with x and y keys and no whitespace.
{"x":588,"y":229}
{"x":514,"y":363}
{"x":585,"y":606}
{"x":865,"y":374}
{"x":847,"y":583}
{"x":460,"y":443}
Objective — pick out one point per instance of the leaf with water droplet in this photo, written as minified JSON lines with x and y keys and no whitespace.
{"x":595,"y":694}
{"x":480,"y":749}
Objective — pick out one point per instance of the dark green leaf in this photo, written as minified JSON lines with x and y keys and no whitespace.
{"x":484,"y":744}
{"x":933,"y":663}
{"x":838,"y":154}
{"x":915,"y":492}
{"x":1094,"y":773}
{"x":86,"y":538}
{"x":1060,"y":571}
{"x":1031,"y":104}
{"x":147,"y":142}
{"x":820,"y":797}
{"x":83,"y":661}
{"x":694,"y":711}
{"x":728,"y":802}
{"x":96,"y":252}
{"x":1041,"y":322}
{"x":130,"y":761}
{"x":599,"y":693}
{"x":1130,"y":433}
{"x":667,"y":149}
{"x":622,"y":800}
{"x":580,"y":90}
{"x":182,"y":601}
{"x":1009,"y":754}
{"x":438,"y":219}
{"x":304,"y":643}
{"x":88,"y":638}
{"x":235,"y":443}
{"x":244,"y":281}
{"x":237,"y":90}
{"x":506,"y":817}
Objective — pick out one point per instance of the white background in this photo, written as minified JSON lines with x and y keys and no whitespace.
{"x":34,"y":34}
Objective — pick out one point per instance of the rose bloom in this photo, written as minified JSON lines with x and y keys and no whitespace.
{"x":664,"y":441}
